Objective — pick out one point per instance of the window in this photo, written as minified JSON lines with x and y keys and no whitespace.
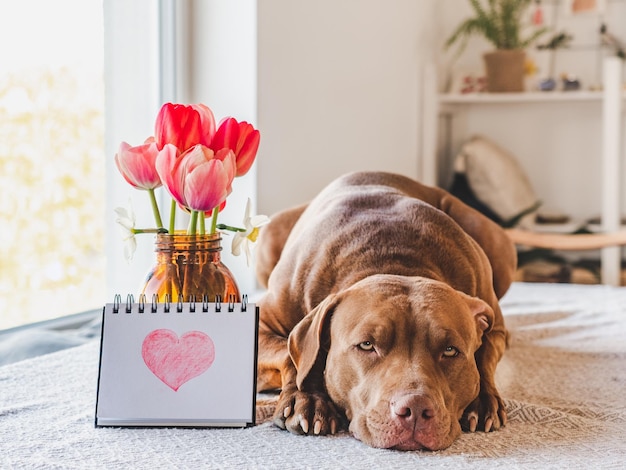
{"x":95,"y":81}
{"x":52,"y":167}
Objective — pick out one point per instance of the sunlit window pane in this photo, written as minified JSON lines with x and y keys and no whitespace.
{"x":51,"y":159}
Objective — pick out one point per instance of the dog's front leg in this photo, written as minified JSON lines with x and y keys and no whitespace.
{"x":487,"y":411}
{"x":300,"y":412}
{"x":305,"y":412}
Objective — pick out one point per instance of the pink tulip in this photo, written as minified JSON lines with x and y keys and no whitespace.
{"x":242,"y":138}
{"x":137,"y":164}
{"x":198,"y":179}
{"x":184,"y":126}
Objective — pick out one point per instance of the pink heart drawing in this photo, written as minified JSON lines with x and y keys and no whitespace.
{"x":175,"y":361}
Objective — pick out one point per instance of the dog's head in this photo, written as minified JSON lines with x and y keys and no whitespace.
{"x":397,"y":355}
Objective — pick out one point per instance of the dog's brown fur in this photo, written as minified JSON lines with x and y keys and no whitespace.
{"x":382,"y":310}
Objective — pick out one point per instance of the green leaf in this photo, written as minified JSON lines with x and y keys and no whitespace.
{"x":499,"y":21}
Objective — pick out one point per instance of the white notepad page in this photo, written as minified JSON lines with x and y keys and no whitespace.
{"x":178,"y":368}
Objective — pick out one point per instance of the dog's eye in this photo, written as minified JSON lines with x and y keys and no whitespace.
{"x":450,"y":351}
{"x":366,"y":346}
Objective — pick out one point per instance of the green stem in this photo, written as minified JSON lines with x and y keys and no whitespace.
{"x":202,"y":224}
{"x":148,"y":230}
{"x":155,"y":208}
{"x":216,"y":212}
{"x":193,"y":223}
{"x":230,"y":228}
{"x":173,"y":217}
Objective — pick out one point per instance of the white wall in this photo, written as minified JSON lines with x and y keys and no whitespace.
{"x":338,"y":91}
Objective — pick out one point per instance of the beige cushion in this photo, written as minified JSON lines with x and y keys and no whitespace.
{"x":497,"y":179}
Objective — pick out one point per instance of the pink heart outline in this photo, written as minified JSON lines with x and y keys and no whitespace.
{"x":177,"y":360}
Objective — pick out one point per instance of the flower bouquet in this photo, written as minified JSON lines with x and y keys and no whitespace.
{"x":196,"y":161}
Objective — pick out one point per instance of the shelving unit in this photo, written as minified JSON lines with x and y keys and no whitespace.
{"x":612,"y":99}
{"x":528,"y":97}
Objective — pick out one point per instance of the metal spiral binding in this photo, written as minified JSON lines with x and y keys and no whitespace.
{"x":117,"y":300}
{"x":192,"y":301}
{"x":130,"y":300}
{"x":142,"y":303}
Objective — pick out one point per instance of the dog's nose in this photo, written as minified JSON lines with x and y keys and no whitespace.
{"x":412,"y":409}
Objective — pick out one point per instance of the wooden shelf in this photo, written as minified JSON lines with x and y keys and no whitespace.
{"x":525,"y":97}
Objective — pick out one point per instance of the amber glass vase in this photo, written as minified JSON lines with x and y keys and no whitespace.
{"x":190,"y":266}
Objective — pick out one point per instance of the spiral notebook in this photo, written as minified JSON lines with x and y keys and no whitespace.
{"x":190,"y":364}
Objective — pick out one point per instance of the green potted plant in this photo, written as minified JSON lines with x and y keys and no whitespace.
{"x":501,"y":23}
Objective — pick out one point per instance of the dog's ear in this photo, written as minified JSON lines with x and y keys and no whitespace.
{"x":482,"y":312}
{"x":308,"y":345}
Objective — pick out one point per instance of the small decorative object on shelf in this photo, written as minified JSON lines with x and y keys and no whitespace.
{"x":501,"y":23}
{"x":559,"y":40}
{"x":585,"y":6}
{"x":570,"y":83}
{"x":547,"y":84}
{"x":537,"y":16}
{"x":196,"y":161}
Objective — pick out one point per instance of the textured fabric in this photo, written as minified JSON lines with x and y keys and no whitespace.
{"x":563,"y":380}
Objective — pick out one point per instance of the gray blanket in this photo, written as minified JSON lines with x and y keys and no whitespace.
{"x":563,"y":380}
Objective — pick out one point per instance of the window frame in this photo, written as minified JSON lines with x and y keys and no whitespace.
{"x":138,"y":75}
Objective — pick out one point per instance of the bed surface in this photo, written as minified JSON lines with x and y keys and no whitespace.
{"x":563,"y":380}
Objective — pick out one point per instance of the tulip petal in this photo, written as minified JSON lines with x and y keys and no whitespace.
{"x":248,"y":146}
{"x":230,"y":163}
{"x":168,"y":165}
{"x":207,"y":186}
{"x":226,"y":136}
{"x":242,"y":138}
{"x":137,"y":165}
{"x":207,"y":123}
{"x":196,"y":156}
{"x":178,"y":125}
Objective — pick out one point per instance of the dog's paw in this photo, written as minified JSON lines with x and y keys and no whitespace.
{"x":307,"y":413}
{"x":485,"y":413}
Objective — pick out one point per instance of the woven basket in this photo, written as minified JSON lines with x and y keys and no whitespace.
{"x":505,"y":70}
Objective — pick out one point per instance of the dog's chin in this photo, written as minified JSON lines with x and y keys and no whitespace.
{"x":405,"y":443}
{"x":423,"y":443}
{"x":393,"y":437}
{"x":410,"y":445}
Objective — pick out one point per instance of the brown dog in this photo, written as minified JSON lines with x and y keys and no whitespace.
{"x":382,"y":310}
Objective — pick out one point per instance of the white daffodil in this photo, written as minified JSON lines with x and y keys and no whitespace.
{"x":244,"y":240}
{"x":126,"y":220}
